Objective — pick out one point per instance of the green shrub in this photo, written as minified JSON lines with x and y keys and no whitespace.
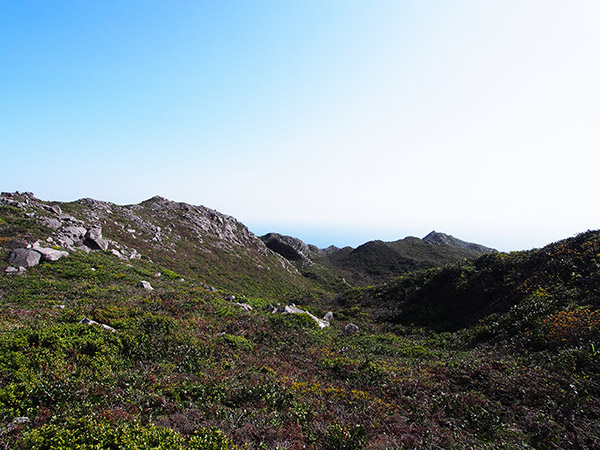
{"x":92,"y":434}
{"x":238,"y":342}
{"x":345,"y":438}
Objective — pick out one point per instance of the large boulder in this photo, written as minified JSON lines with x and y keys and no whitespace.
{"x":24,"y":257}
{"x":93,"y":239}
{"x":50,"y":254}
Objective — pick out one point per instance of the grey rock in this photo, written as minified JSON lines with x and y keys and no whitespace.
{"x":94,"y":240}
{"x":53,"y":223}
{"x":22,"y":257}
{"x":50,"y":254}
{"x":56,"y":209}
{"x":66,"y":242}
{"x":75,"y":233}
{"x":351,"y":329}
{"x":328,"y":317}
{"x":11,"y":269}
{"x":230,"y":298}
{"x":86,"y":321}
{"x":146,"y":285}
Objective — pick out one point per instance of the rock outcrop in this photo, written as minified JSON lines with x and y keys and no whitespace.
{"x":293,"y":309}
{"x":93,"y":239}
{"x":289,"y":247}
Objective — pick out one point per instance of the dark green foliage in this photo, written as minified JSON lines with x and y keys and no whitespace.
{"x":378,"y":261}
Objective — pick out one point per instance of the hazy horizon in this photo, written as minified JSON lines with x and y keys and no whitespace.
{"x":336,"y":122}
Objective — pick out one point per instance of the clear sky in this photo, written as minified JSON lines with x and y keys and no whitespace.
{"x":336,"y":121}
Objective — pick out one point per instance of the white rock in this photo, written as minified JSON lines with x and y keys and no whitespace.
{"x":86,"y":321}
{"x":146,"y":285}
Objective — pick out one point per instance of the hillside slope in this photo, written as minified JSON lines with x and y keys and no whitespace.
{"x":500,"y":352}
{"x":193,"y":241}
{"x":563,"y":274}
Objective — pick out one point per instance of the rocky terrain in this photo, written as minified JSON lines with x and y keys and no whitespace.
{"x":169,"y":326}
{"x":190,"y":240}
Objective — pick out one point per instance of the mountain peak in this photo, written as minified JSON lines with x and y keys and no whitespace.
{"x":437,"y":238}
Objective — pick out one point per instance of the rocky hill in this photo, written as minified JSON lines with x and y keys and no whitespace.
{"x":193,"y":241}
{"x":373,"y":262}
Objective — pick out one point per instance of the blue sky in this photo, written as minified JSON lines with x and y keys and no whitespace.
{"x":334,"y":121}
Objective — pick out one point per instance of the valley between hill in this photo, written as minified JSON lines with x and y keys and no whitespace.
{"x":171,"y":326}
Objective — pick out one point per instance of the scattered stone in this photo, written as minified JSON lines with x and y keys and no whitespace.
{"x":230,"y":298}
{"x":244,"y":306}
{"x":118,"y":254}
{"x":328,"y":317}
{"x":86,"y":321}
{"x":94,"y":240}
{"x":208,"y":288}
{"x":22,"y":257}
{"x":56,"y":209}
{"x":11,"y":269}
{"x":146,"y":285}
{"x":351,"y":329}
{"x":157,"y":275}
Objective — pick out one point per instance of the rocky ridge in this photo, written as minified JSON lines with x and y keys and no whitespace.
{"x":193,"y":240}
{"x":374,"y":261}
